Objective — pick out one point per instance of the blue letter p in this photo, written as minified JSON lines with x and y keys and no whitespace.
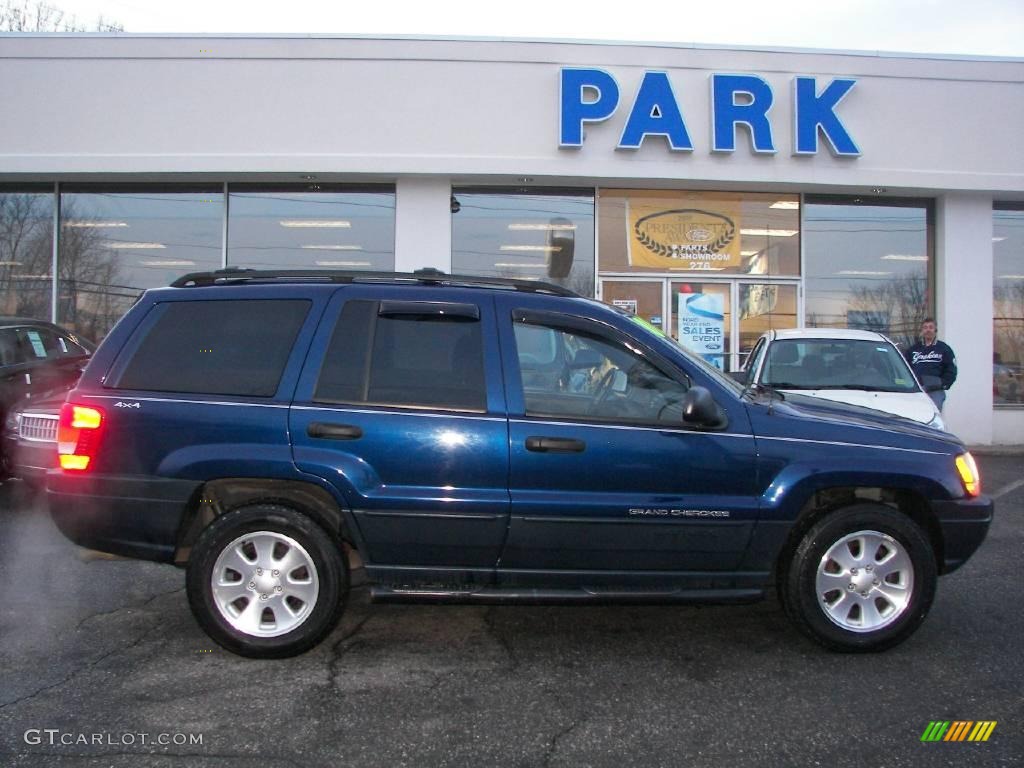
{"x":576,"y":110}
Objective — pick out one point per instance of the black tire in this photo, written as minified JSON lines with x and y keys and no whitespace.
{"x":330,"y":575}
{"x":896,"y":533}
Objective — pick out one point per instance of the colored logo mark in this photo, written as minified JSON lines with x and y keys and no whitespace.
{"x":958,"y":730}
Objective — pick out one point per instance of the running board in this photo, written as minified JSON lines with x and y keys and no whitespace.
{"x":497,"y":595}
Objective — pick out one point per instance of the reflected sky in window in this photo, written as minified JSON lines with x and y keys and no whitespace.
{"x":327,"y":228}
{"x":117,"y":242}
{"x":867,"y":266}
{"x":530,"y":235}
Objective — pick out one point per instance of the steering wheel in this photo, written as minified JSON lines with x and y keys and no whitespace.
{"x":603,"y":391}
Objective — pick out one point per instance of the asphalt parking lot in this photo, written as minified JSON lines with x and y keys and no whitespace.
{"x":101,"y":658}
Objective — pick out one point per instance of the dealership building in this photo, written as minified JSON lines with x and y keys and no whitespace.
{"x":774,"y":188}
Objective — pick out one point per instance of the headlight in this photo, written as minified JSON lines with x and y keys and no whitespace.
{"x":937,"y":422}
{"x":969,"y":474}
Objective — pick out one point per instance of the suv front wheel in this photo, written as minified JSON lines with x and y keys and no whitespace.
{"x":267,"y":581}
{"x":862,"y":579}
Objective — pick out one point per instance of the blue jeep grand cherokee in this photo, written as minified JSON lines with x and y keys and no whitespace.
{"x":486,"y":440}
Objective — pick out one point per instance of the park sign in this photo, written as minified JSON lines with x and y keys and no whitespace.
{"x":592,"y":96}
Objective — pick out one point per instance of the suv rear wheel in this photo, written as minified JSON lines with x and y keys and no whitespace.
{"x":862,"y":579}
{"x":267,"y":581}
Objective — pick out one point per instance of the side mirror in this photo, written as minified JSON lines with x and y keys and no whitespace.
{"x":701,"y":410}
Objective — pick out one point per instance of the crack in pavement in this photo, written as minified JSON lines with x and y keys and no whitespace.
{"x":82,"y":669}
{"x":337,"y":651}
{"x":137,"y":606}
{"x":492,"y":630}
{"x":549,"y":753}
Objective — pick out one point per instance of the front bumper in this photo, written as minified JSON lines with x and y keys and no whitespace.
{"x":133,"y":517}
{"x":30,"y":460}
{"x":964,"y":524}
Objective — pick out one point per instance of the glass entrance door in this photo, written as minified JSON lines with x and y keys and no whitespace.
{"x":641,"y":297}
{"x":762,"y":307}
{"x":720,"y":320}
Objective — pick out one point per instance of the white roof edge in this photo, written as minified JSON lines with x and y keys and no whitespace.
{"x":827,"y":333}
{"x":527,"y":40}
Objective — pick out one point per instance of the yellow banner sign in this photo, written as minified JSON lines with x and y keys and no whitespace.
{"x":666,"y":234}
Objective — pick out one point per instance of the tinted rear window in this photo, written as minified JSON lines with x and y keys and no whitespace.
{"x":427,"y":361}
{"x":233,"y":347}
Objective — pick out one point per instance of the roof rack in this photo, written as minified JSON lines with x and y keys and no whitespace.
{"x":428,"y":276}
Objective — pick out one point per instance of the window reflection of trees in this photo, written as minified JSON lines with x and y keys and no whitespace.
{"x":1008,"y":364}
{"x":90,"y":299}
{"x":26,"y":252}
{"x":867,"y":264}
{"x":1008,"y":303}
{"x":899,"y":304}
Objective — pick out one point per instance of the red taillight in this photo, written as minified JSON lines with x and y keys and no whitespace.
{"x":78,"y":436}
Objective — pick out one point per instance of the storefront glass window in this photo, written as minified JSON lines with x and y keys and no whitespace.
{"x":311,"y":227}
{"x":538,"y":234}
{"x":866,"y":265}
{"x":682,"y":231}
{"x":1008,"y":304}
{"x":115,"y":242}
{"x":26,"y":251}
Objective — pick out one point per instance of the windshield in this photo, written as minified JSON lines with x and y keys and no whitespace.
{"x":873,"y":366}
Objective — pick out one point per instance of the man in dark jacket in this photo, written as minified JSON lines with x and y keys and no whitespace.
{"x":933,"y":362}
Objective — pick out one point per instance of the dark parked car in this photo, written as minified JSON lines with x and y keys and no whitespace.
{"x":487,"y":441}
{"x":30,"y":439}
{"x":38,"y":360}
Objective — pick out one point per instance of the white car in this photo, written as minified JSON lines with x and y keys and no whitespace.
{"x":857,"y":367}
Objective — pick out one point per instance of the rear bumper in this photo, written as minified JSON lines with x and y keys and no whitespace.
{"x":964,"y":524}
{"x":133,"y":517}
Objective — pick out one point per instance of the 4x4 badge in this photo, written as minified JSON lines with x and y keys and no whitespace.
{"x":123,"y":404}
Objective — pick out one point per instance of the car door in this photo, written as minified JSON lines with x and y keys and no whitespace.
{"x":607,"y":483}
{"x":400,"y":406}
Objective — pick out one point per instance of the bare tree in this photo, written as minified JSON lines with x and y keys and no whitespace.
{"x":1008,"y":330}
{"x":38,"y":16}
{"x":899,"y":304}
{"x":26,"y":247}
{"x":91,"y":299}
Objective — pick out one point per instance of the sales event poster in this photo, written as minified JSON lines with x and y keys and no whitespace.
{"x":702,"y":325}
{"x":679,"y":233}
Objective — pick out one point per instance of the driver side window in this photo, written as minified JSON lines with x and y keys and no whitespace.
{"x":574,"y":374}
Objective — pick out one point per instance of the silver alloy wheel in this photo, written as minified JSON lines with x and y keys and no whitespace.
{"x":264,"y":584}
{"x":865,"y":581}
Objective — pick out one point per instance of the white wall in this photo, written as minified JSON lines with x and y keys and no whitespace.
{"x":423,"y":228}
{"x":963,"y":261}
